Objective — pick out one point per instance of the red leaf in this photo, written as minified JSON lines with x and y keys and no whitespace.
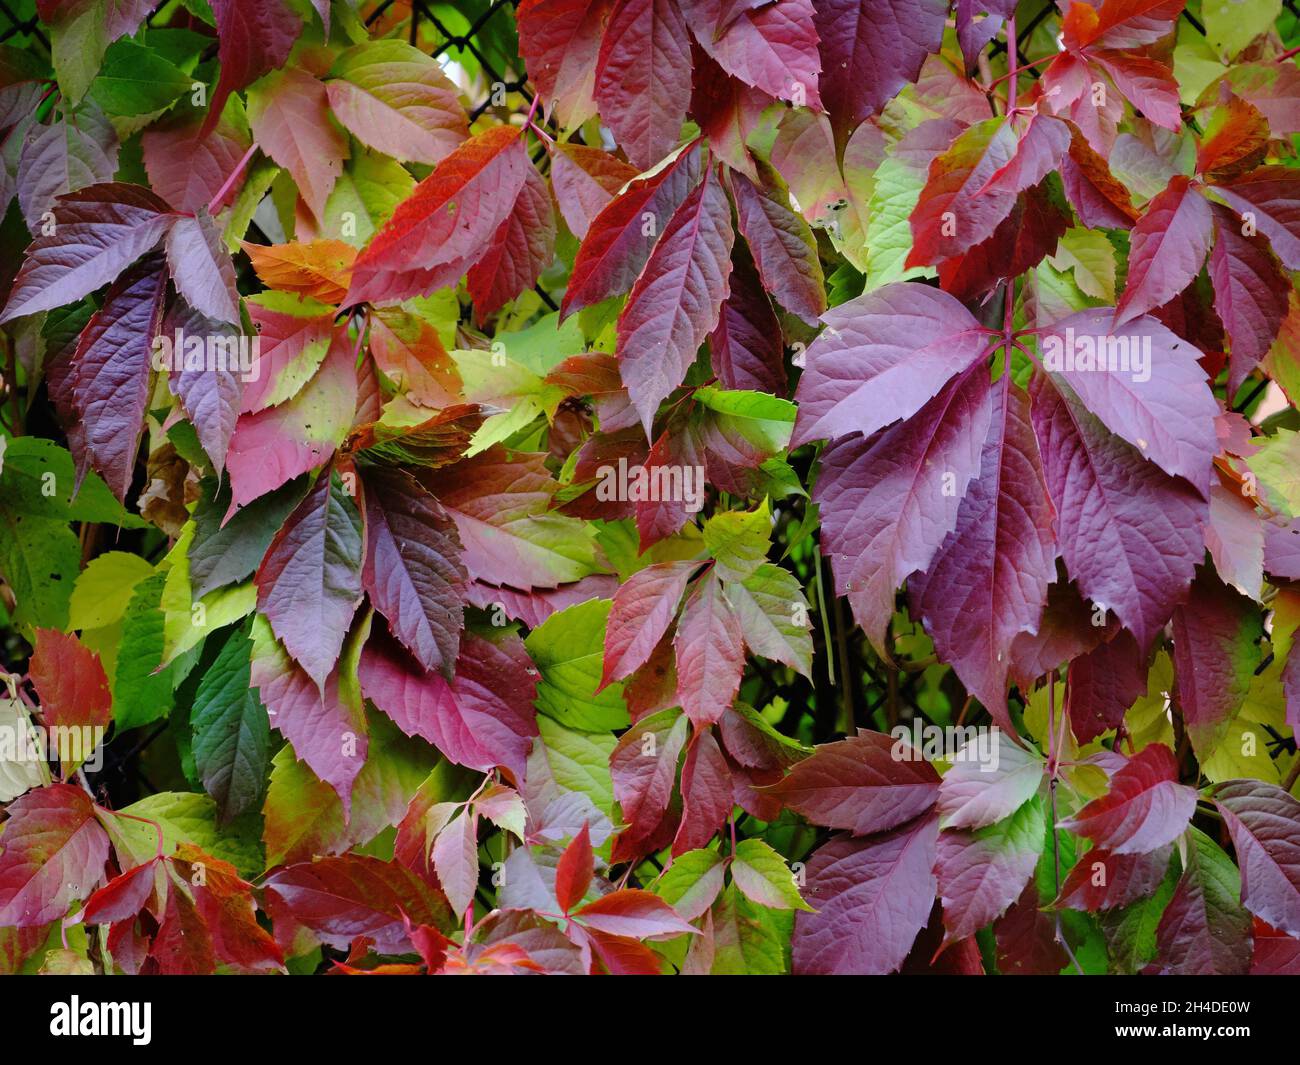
{"x":1271,"y":195}
{"x":747,"y":347}
{"x":706,"y":793}
{"x":1216,"y":650}
{"x":866,"y":783}
{"x":122,"y":897}
{"x":1204,"y":931}
{"x":561,"y":40}
{"x":521,"y":249}
{"x":772,"y":47}
{"x":872,"y":897}
{"x":782,"y":245}
{"x":881,"y":357}
{"x":291,"y":122}
{"x":338,"y":899}
{"x":1130,"y":534}
{"x":710,"y":653}
{"x":1026,"y":939}
{"x":870,"y":49}
{"x":482,"y":719}
{"x":585,"y":180}
{"x":989,"y":580}
{"x":255,"y":37}
{"x":617,"y":243}
{"x":309,"y":583}
{"x":1145,"y":809}
{"x":201,"y":267}
{"x":1147,"y":84}
{"x":1276,"y":953}
{"x":225,"y":903}
{"x":980,"y":874}
{"x":1169,"y":244}
{"x":1264,"y":822}
{"x":1103,"y":881}
{"x":70,"y":681}
{"x":642,"y":96}
{"x":413,"y":572}
{"x":188,"y":170}
{"x":111,"y":372}
{"x":573,"y":874}
{"x":644,"y":606}
{"x":445,"y":225}
{"x":54,"y":853}
{"x":1098,"y":198}
{"x":644,"y":768}
{"x":676,"y":301}
{"x":633,"y":913}
{"x":211,"y":395}
{"x":1250,"y":294}
{"x":1103,"y":684}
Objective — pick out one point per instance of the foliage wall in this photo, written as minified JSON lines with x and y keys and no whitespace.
{"x":649,"y":486}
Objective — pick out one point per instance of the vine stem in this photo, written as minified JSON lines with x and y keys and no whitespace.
{"x":1292,"y":776}
{"x":1053,"y":766}
{"x":234,"y":175}
{"x":1013,"y":64}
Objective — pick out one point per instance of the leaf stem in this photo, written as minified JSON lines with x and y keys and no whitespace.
{"x":234,"y":175}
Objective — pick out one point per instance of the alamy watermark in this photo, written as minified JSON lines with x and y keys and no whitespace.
{"x":1084,"y":352}
{"x":922,"y":741}
{"x":211,"y":353}
{"x":656,"y":484}
{"x":70,"y":744}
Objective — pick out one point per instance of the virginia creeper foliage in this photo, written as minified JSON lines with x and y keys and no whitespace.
{"x":650,"y":486}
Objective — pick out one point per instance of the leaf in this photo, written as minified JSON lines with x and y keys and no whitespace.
{"x":520,"y":250}
{"x":446,"y":224}
{"x":1269,"y":195}
{"x":989,"y":580}
{"x":560,"y":39}
{"x":407,"y":349}
{"x":707,"y":793}
{"x":320,"y":270}
{"x":982,"y":872}
{"x":482,"y":718}
{"x":72,"y":685}
{"x":255,"y":38}
{"x":273,"y":446}
{"x":1145,"y":808}
{"x":500,"y":505}
{"x":111,"y":365}
{"x":1169,"y":245}
{"x":866,"y":783}
{"x":869,"y":50}
{"x":643,"y":608}
{"x":633,"y":913}
{"x":675,"y":303}
{"x":1104,"y":881}
{"x":1264,"y":822}
{"x":746,"y":347}
{"x":568,"y":649}
{"x":325,"y":723}
{"x":884,"y":507}
{"x":223,"y":554}
{"x":413,"y":572}
{"x":710,"y":653}
{"x":1251,"y":294}
{"x":691,"y":883}
{"x":585,"y":180}
{"x":1103,"y":684}
{"x":63,"y":157}
{"x":881,"y":357}
{"x":620,"y":237}
{"x":289,"y":114}
{"x":98,"y":232}
{"x":18,"y":773}
{"x":643,"y":43}
{"x":644,"y":767}
{"x":991,"y":777}
{"x":773,"y":615}
{"x":54,"y":854}
{"x":573,"y":874}
{"x":1141,"y":527}
{"x":309,"y":583}
{"x":188,"y":170}
{"x":1204,"y":930}
{"x":396,"y":99}
{"x":455,"y":857}
{"x":142,"y":689}
{"x":232,"y":737}
{"x":210,"y":388}
{"x":338,"y":899}
{"x":136,"y":80}
{"x":763,"y":875}
{"x":871,"y":898}
{"x":1216,"y":652}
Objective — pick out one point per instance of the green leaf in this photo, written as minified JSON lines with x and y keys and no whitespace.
{"x":750,"y":940}
{"x":141,"y":695}
{"x":692,"y":883}
{"x":762,"y":420}
{"x":135,"y":80}
{"x":738,"y":541}
{"x":232,"y":737}
{"x":103,"y":590}
{"x":184,"y":817}
{"x":574,"y":761}
{"x":764,"y":877}
{"x":39,"y":480}
{"x":774,"y":616}
{"x":78,"y":41}
{"x":39,"y":558}
{"x":1277,"y":466}
{"x":569,"y":648}
{"x":1230,"y":25}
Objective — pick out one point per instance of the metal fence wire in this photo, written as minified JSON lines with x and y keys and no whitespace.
{"x":882,"y":687}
